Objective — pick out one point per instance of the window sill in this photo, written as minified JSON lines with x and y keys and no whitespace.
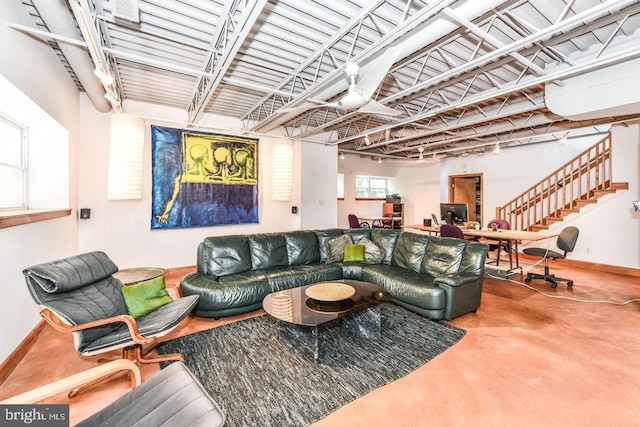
{"x":27,"y":216}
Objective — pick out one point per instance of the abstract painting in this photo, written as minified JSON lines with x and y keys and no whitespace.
{"x":202,"y":179}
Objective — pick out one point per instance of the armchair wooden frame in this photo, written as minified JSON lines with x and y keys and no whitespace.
{"x":132,"y":352}
{"x":80,"y":379}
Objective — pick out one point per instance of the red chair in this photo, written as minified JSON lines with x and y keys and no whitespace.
{"x":447,"y":230}
{"x":498,"y":244}
{"x":354,"y":222}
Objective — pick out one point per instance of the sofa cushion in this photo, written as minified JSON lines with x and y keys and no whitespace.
{"x":282,"y":278}
{"x":409,"y":251}
{"x":302,"y":247}
{"x":353,"y":253}
{"x":473,"y":258}
{"x":323,"y":236}
{"x":386,"y":239}
{"x":373,"y":254}
{"x":227,"y":255}
{"x":226,"y":292}
{"x":414,"y":288}
{"x":268,"y":251}
{"x":358,"y":233}
{"x":443,"y":256}
{"x":335,"y":247}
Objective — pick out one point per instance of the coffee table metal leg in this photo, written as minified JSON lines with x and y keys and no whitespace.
{"x":363,"y":324}
{"x":314,"y":334}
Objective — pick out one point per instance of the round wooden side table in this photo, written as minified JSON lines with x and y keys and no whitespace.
{"x":131,"y":276}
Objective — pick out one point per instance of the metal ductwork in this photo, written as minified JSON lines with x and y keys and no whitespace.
{"x":59,"y":20}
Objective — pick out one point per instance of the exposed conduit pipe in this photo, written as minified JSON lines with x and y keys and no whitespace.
{"x":59,"y":20}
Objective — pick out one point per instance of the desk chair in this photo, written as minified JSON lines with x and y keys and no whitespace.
{"x":501,"y":224}
{"x":354,"y":222}
{"x":447,"y":230}
{"x":566,"y":242}
{"x":387,"y":223}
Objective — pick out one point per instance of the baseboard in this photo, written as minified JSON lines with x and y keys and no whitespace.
{"x":625,"y":271}
{"x":21,"y":350}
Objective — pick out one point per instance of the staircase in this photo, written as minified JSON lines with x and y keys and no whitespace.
{"x":578,"y":183}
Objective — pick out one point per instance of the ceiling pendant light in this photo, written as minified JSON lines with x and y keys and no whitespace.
{"x":421,"y":156}
{"x":367,"y":140}
{"x":497,"y":149}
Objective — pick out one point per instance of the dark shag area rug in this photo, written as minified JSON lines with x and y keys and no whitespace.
{"x":261,"y":380}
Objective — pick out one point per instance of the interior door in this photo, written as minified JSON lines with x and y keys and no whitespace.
{"x":467,"y":189}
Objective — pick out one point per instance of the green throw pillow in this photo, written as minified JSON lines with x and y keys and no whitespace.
{"x":145,"y":297}
{"x":353,"y":253}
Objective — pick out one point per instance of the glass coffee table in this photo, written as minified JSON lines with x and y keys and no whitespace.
{"x":315,"y":312}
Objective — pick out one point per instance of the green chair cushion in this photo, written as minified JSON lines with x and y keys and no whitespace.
{"x":353,"y":253}
{"x":145,"y":297}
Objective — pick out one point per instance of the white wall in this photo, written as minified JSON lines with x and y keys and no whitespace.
{"x":353,"y":165}
{"x":601,"y":226}
{"x":318,"y":188}
{"x":123,"y":228}
{"x":31,"y":65}
{"x":507,"y":174}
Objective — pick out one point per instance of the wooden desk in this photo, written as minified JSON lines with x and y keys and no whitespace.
{"x":428,"y":228}
{"x":378,"y":219}
{"x":131,"y":276}
{"x":512,"y":237}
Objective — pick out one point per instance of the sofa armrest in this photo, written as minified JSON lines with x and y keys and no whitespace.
{"x":455,"y":280}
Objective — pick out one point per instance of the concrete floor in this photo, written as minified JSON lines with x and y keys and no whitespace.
{"x":527,"y":360}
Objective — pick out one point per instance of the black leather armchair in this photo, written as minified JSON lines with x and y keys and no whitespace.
{"x":78,"y":294}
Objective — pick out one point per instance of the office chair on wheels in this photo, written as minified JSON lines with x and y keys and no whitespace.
{"x":566,"y":242}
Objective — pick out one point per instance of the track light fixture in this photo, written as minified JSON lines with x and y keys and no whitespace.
{"x":421,"y":156}
{"x":497,"y":148}
{"x":564,"y":138}
{"x":367,"y":140}
{"x":104,"y":77}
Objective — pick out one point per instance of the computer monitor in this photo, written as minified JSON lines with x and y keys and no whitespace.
{"x":454,"y":212}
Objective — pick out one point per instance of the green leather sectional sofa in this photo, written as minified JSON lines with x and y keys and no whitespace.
{"x":439,"y":278}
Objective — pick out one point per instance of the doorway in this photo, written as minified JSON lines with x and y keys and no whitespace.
{"x":467,"y":189}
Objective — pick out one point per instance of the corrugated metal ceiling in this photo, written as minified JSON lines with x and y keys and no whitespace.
{"x":469,"y":73}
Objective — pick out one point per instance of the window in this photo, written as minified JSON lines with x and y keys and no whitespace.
{"x":34,"y":161}
{"x":13,"y":168}
{"x":369,"y":187}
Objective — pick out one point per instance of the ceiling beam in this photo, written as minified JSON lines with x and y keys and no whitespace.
{"x":237,"y":20}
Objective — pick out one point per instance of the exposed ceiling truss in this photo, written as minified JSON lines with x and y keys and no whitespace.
{"x":470,"y":74}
